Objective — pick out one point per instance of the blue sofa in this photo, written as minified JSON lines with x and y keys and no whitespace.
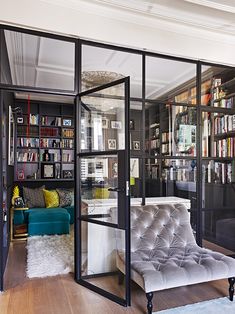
{"x":48,"y":221}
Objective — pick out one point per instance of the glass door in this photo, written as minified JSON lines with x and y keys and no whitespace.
{"x":102,"y":231}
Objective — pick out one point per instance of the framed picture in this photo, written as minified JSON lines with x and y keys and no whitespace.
{"x":20,"y":120}
{"x":132,"y":125}
{"x":67,"y":122}
{"x":113,"y":168}
{"x":67,"y":174}
{"x":111,"y":144}
{"x":20,"y":174}
{"x":48,"y":171}
{"x":116,"y":124}
{"x":105,"y":123}
{"x":136,"y":145}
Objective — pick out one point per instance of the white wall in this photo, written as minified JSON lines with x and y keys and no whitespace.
{"x":77,"y":21}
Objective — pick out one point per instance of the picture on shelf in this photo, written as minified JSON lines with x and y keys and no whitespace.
{"x":105,"y":123}
{"x":67,"y":174}
{"x":20,"y":120}
{"x":67,"y":122}
{"x":116,"y":124}
{"x":136,"y":145}
{"x":48,"y":171}
{"x":111,"y":144}
{"x":20,"y":174}
{"x":113,"y":168}
{"x":132,"y":125}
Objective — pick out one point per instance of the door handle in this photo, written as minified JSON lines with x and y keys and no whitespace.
{"x":115,"y":190}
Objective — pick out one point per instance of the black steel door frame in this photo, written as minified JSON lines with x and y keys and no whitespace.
{"x":123,"y":223}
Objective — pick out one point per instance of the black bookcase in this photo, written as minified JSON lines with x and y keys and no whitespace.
{"x":44,"y":142}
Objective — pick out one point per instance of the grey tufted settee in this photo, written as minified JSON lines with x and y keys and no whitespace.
{"x":164,"y":253}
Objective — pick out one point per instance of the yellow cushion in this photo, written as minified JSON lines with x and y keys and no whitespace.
{"x":51,"y":198}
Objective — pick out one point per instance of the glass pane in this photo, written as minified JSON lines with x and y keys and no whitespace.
{"x":218,"y":87}
{"x":99,"y":178}
{"x":38,"y":61}
{"x":170,"y":130}
{"x":171,"y":177}
{"x":136,"y":128}
{"x":218,"y":230}
{"x":101,"y":66}
{"x":218,"y":134}
{"x":103,"y":120}
{"x":170,"y":80}
{"x":103,"y":257}
{"x":136,"y":177}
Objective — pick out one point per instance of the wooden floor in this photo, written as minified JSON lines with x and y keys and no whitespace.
{"x":61,"y":295}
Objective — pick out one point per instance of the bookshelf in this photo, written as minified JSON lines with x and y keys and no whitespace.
{"x":45,"y":142}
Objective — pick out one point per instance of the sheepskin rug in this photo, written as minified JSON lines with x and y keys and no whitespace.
{"x":50,"y":255}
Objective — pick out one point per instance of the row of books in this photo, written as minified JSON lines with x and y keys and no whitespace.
{"x":49,"y":132}
{"x":28,"y":142}
{"x":218,"y":172}
{"x":225,"y":147}
{"x":45,"y":120}
{"x":67,"y":143}
{"x":67,"y":157}
{"x":24,"y":130}
{"x":224,"y":124}
{"x":67,"y":133}
{"x":54,"y":157}
{"x":24,"y":157}
{"x":224,"y":102}
{"x":165,"y":136}
{"x":186,"y":175}
{"x":50,"y":143}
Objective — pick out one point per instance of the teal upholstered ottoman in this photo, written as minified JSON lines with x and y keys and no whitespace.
{"x":48,"y":221}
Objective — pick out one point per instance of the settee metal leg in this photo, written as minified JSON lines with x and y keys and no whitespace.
{"x":120,"y":278}
{"x":149,"y":304}
{"x":231,"y":287}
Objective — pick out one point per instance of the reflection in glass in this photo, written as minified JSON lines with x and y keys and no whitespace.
{"x":103,"y":120}
{"x":218,"y":87}
{"x":170,"y":80}
{"x":170,"y":130}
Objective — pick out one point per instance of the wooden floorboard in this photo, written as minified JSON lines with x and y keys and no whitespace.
{"x":62,"y":295}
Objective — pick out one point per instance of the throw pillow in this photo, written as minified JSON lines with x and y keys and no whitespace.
{"x":65,"y":197}
{"x":51,"y":198}
{"x":34,"y":197}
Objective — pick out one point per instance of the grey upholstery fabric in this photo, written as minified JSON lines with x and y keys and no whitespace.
{"x":34,"y":197}
{"x":164,"y":253}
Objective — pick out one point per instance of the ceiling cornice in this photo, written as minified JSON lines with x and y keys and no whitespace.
{"x":160,"y":18}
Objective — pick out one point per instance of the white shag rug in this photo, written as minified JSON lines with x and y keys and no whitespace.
{"x":50,"y":255}
{"x":216,"y":306}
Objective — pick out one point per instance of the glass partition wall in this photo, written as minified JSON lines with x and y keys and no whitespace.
{"x":218,"y":152}
{"x":181,"y":126}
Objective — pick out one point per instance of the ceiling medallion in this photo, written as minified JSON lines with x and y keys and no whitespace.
{"x":92,"y":79}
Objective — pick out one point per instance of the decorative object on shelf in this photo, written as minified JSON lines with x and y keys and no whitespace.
{"x":67,"y":122}
{"x":105,"y":123}
{"x":116,"y":125}
{"x":18,"y":202}
{"x":111,"y":144}
{"x":20,"y":174}
{"x":46,"y":156}
{"x":48,"y":171}
{"x":20,"y":120}
{"x":132,"y":125}
{"x":15,"y":194}
{"x":136,"y":145}
{"x":67,"y":174}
